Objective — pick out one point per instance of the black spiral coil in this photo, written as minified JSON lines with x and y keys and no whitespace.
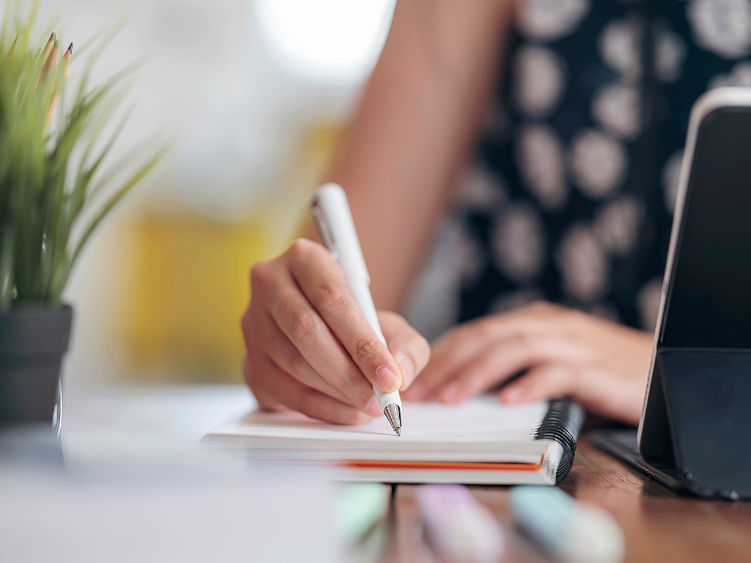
{"x":562,"y":423}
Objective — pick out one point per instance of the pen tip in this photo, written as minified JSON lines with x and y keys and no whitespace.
{"x":69,"y":50}
{"x":393,"y":414}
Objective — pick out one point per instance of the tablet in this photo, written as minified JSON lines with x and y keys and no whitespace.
{"x":695,"y":428}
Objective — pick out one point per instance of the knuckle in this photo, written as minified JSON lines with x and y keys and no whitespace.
{"x":365,"y":347}
{"x":301,"y":250}
{"x":527,"y":341}
{"x":330,"y":295}
{"x":485,"y":331}
{"x":526,"y":332}
{"x":258,"y":273}
{"x":574,"y":317}
{"x":462,"y":333}
{"x":297,"y":247}
{"x":302,"y":324}
{"x":541,"y":308}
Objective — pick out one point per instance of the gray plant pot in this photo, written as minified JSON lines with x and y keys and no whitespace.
{"x":33,"y":342}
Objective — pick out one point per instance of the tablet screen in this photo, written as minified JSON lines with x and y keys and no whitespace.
{"x":709,"y":303}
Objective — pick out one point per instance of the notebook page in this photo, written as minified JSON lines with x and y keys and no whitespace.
{"x":482,"y":429}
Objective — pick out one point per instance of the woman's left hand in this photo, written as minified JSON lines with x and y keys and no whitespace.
{"x":601,"y":364}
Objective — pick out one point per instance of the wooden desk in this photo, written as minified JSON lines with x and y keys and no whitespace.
{"x":658,"y":525}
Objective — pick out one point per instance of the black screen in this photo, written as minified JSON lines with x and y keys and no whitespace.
{"x":709,"y":300}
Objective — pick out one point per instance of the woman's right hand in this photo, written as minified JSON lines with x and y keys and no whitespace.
{"x":310,"y":347}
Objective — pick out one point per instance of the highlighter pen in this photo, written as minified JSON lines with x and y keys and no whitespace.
{"x":567,"y":530}
{"x":457,"y":526}
{"x":359,"y":507}
{"x":334,"y":219}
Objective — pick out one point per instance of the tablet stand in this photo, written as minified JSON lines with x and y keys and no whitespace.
{"x":697,"y":424}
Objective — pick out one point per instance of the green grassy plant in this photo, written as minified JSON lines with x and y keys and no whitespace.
{"x":54,"y":192}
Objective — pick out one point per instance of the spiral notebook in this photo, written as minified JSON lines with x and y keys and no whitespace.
{"x":478,"y":442}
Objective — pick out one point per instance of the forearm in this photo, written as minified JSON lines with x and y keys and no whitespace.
{"x":412,"y":129}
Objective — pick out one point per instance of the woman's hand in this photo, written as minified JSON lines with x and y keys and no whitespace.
{"x":310,"y":347}
{"x":601,"y":364}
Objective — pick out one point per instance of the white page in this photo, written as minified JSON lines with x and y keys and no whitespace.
{"x":482,"y":429}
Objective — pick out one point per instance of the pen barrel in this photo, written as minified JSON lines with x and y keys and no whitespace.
{"x":359,"y":285}
{"x":361,"y":293}
{"x":334,"y":219}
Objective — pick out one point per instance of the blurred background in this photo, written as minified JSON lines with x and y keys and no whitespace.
{"x":256,"y":93}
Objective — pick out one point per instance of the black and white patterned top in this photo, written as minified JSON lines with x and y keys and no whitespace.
{"x":573,"y":184}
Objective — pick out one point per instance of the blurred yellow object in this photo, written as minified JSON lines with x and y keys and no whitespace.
{"x":188,"y":276}
{"x":190,"y":286}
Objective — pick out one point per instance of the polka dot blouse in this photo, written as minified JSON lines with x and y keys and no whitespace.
{"x":570,"y":194}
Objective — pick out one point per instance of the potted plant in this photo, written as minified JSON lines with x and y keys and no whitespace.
{"x":54,"y":194}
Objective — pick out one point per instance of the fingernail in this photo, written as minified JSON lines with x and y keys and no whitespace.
{"x":386,"y":379}
{"x":372,"y":408}
{"x":512,"y":395}
{"x":451,"y":394}
{"x":408,"y":370}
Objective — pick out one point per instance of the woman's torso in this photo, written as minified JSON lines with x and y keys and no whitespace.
{"x":571,"y":191}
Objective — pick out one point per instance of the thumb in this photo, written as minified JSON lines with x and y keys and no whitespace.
{"x":409,"y":348}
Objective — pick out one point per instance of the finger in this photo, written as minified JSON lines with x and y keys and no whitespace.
{"x":460,"y":345}
{"x":252,"y":378}
{"x":407,"y":346}
{"x":449,"y":352}
{"x":323,"y":284}
{"x":543,"y":382}
{"x":308,"y":333}
{"x":283,"y":353}
{"x":284,"y":389}
{"x":504,"y":360}
{"x":601,"y":392}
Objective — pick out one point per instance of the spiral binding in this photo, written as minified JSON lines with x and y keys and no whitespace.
{"x":562,"y":423}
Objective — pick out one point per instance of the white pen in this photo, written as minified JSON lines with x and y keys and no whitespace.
{"x":334,"y":219}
